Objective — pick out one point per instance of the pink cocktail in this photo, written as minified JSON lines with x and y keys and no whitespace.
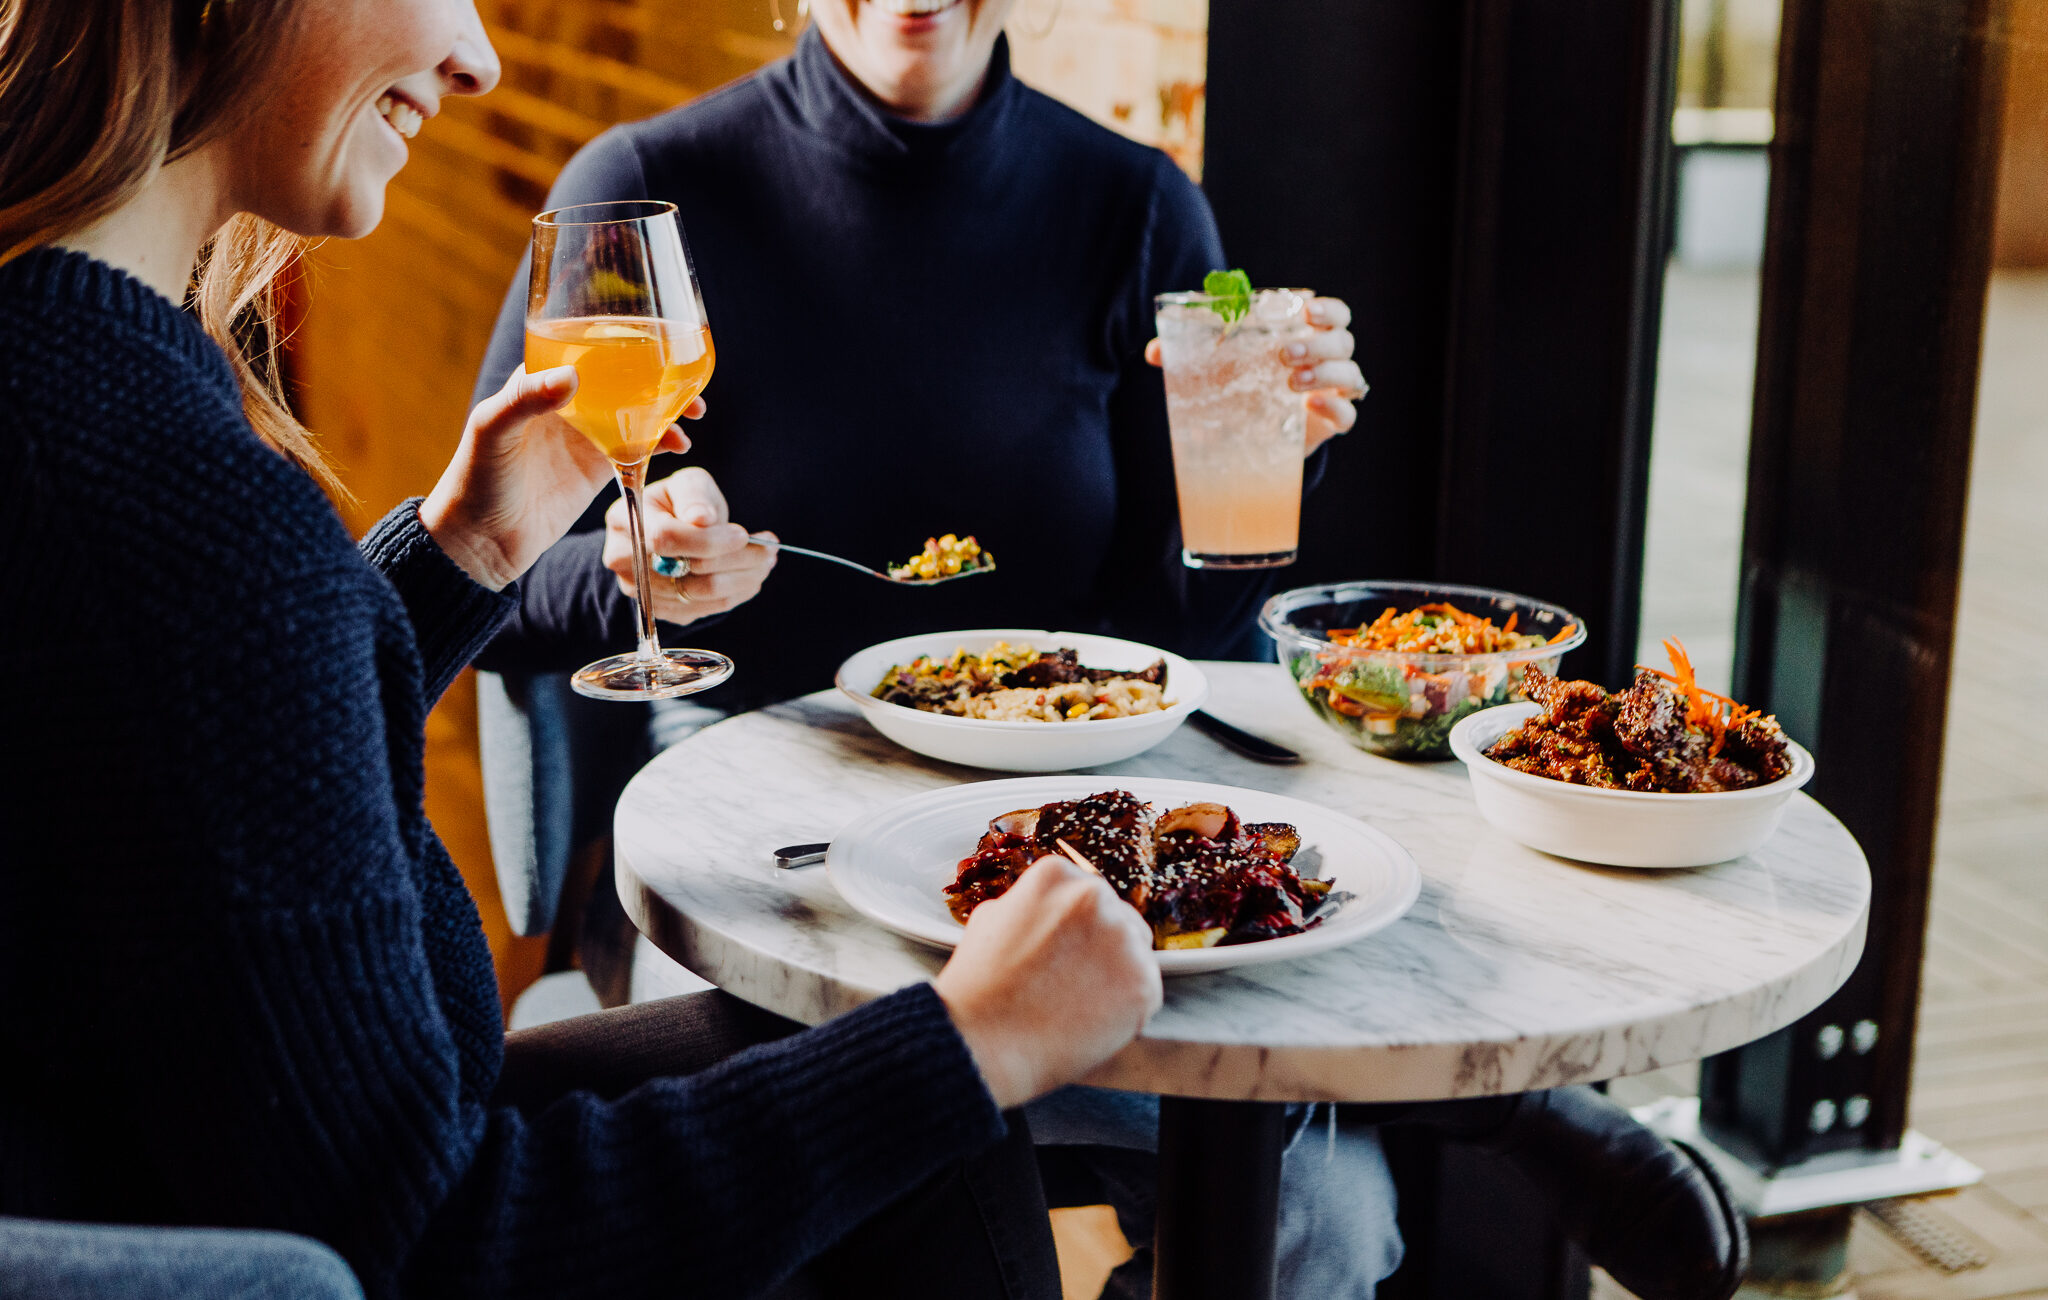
{"x":1237,"y":426}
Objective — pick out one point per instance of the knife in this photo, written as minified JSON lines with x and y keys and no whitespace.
{"x":800,"y":855}
{"x":1244,"y":742}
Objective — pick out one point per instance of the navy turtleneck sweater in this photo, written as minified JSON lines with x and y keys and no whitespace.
{"x":242,"y":982}
{"x":921,"y":329}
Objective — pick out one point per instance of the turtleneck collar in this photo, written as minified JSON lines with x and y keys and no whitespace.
{"x":828,"y":101}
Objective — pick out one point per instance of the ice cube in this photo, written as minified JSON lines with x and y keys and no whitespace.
{"x":1276,"y":304}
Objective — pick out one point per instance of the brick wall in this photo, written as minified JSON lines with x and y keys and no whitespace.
{"x":396,"y":324}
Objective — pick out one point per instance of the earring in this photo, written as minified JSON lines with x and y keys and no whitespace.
{"x":803,"y":11}
{"x":1042,"y":32}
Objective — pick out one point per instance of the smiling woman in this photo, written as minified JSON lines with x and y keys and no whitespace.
{"x":287,"y":1017}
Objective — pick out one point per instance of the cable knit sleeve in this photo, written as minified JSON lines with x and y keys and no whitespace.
{"x":452,"y":616}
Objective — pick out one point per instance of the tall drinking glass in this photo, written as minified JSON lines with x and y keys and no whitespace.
{"x":612,"y":294}
{"x":1237,"y":427}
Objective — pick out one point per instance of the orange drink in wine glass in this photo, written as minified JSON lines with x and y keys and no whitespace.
{"x":612,"y":293}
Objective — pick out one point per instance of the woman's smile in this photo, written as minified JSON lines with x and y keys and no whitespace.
{"x":400,"y":114}
{"x":915,"y":8}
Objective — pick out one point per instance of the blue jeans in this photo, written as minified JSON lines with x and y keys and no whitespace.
{"x":91,"y":1261}
{"x":1337,"y":1235}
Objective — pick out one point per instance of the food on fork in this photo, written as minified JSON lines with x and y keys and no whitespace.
{"x":1197,"y":875}
{"x":943,"y":557}
{"x":1010,"y":683}
{"x":1664,"y":734}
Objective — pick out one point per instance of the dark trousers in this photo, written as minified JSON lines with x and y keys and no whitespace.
{"x":977,"y":1230}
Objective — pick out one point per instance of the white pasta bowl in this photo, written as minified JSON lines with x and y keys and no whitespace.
{"x":1022,"y":746}
{"x":1617,"y":828}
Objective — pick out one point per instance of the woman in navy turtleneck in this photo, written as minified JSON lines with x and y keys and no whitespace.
{"x":961,"y":272}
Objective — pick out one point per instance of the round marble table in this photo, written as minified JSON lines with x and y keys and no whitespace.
{"x":1514,"y":970}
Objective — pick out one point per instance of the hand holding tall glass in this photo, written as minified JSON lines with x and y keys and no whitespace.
{"x":1237,"y":427}
{"x":612,"y":293}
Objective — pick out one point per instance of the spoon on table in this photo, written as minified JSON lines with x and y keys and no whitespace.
{"x":668,"y":566}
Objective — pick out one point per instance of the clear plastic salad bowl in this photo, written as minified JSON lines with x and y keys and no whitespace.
{"x":1403,"y":704}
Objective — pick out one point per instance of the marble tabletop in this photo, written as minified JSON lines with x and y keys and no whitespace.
{"x":1514,"y":970}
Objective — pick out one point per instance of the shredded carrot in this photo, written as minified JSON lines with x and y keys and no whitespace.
{"x":1703,"y":708}
{"x":1450,"y":630}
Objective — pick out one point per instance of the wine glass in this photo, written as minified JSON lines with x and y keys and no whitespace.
{"x":612,"y":294}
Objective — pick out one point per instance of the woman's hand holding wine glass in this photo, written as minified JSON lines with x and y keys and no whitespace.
{"x":520,"y":477}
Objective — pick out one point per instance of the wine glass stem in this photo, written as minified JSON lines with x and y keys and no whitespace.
{"x":632,"y":478}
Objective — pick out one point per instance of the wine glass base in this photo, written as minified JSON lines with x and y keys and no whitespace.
{"x":1267,"y":560}
{"x":631,"y":677}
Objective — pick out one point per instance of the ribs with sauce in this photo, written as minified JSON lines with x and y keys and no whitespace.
{"x":1196,"y":874}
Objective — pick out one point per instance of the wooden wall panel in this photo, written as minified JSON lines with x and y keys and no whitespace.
{"x":2022,"y":239}
{"x":396,"y":324}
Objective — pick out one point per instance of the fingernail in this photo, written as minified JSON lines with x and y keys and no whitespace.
{"x":1315,"y":313}
{"x":1296,"y":351}
{"x":1305,"y":378}
{"x":700,"y":519}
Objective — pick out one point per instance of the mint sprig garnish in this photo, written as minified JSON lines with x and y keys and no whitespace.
{"x":1232,"y":294}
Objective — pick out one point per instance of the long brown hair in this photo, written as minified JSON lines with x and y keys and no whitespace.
{"x":95,"y":96}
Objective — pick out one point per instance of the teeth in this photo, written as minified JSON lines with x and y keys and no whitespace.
{"x":910,"y":8}
{"x":404,"y":118}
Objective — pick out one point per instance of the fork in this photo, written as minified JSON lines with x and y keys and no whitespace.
{"x":668,"y":567}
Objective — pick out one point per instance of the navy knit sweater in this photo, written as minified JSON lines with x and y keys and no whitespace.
{"x":922,"y":328}
{"x":242,"y":982}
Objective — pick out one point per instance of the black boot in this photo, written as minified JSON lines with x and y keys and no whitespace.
{"x":1652,"y":1213}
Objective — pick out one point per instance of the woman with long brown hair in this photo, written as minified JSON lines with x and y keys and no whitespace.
{"x":243,"y":983}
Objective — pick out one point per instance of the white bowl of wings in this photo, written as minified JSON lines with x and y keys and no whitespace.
{"x":1618,"y":828}
{"x":893,"y":866}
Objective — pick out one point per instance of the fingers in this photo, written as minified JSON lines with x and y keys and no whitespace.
{"x":1340,"y":415}
{"x":692,"y":496}
{"x":1342,"y":376}
{"x":1155,"y":353}
{"x":523,"y":397}
{"x":685,"y":516}
{"x":695,"y":410}
{"x":1086,"y":891}
{"x":1329,"y":313}
{"x":720,"y":570}
{"x":1322,"y":345}
{"x":1074,"y":893}
{"x":686,"y":599}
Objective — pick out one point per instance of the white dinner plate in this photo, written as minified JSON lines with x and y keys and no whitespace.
{"x":893,"y":865}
